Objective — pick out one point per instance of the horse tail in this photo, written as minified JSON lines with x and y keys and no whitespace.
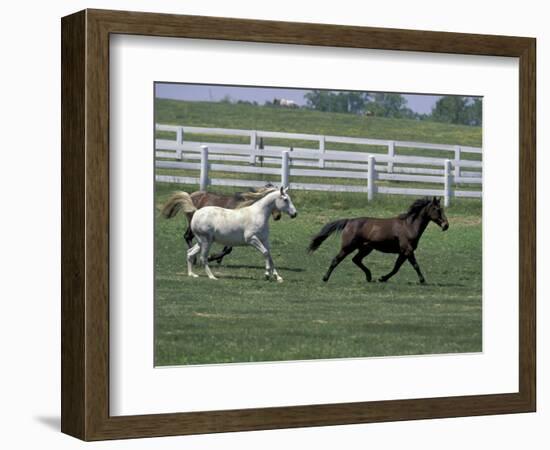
{"x":326,"y":231}
{"x":180,"y":201}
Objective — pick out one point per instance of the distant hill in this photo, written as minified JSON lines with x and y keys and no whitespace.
{"x":247,"y":116}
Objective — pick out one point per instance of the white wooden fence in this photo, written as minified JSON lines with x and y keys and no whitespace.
{"x":291,"y":162}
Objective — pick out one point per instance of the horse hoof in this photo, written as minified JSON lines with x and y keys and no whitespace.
{"x":382,"y":280}
{"x":212,"y":278}
{"x":422,"y":281}
{"x":279,"y":280}
{"x":193,"y":275}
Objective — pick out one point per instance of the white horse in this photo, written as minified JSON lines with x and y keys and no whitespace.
{"x":285,"y":103}
{"x":237,"y":227}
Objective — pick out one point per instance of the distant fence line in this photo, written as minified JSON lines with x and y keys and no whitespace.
{"x":320,"y":162}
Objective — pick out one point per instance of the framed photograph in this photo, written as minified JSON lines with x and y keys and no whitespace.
{"x":273,"y":225}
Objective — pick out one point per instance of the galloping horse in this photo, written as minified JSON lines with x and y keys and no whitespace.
{"x":243,"y":226}
{"x":395,"y":235}
{"x":203,"y":198}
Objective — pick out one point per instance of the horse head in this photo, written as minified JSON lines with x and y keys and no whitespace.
{"x":284,"y":203}
{"x":436,"y":214}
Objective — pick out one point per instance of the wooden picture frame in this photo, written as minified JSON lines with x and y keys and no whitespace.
{"x":85,"y":224}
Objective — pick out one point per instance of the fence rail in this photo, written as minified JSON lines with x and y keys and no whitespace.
{"x":289,"y":162}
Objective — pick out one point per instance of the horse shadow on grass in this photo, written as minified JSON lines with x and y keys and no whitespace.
{"x":428,"y":284}
{"x":222,"y":276}
{"x":441,"y":284}
{"x":249,"y":266}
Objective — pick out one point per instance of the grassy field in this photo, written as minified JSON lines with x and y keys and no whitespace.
{"x":249,"y":117}
{"x":242,"y":318}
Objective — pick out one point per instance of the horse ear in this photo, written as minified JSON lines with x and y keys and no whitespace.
{"x":282,"y":190}
{"x":285,"y":190}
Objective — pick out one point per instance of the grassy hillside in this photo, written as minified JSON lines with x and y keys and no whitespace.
{"x":224,"y":115}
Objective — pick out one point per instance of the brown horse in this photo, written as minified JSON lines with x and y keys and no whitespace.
{"x":395,"y":235}
{"x":201,"y":199}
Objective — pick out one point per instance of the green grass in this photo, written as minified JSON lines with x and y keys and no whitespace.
{"x":242,"y":318}
{"x":249,"y":117}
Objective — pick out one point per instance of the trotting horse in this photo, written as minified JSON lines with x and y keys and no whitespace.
{"x":236,"y":227}
{"x":395,"y":235}
{"x":201,"y":199}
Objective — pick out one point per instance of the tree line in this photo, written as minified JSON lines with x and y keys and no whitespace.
{"x":449,"y":109}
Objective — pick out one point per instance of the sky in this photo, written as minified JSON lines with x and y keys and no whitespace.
{"x":419,"y":103}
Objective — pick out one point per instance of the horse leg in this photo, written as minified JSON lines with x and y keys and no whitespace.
{"x":205,"y":248}
{"x":191,"y":253}
{"x":344,"y":251}
{"x":358,"y":258}
{"x":275,"y":275}
{"x":412,"y":260}
{"x":263,"y":248}
{"x":219,"y":256}
{"x":188,"y":236}
{"x":398,"y":263}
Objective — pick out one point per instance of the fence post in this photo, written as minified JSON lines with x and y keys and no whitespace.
{"x":371,"y":176}
{"x":447,"y":182}
{"x":260,"y":148}
{"x":391,"y":154}
{"x":285,"y":169}
{"x":322,"y":152}
{"x":204,"y":168}
{"x":457,"y":161}
{"x":179,"y":141}
{"x":253,"y":140}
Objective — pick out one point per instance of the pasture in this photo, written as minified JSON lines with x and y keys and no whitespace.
{"x":249,"y":117}
{"x":242,"y":318}
{"x":416,"y":167}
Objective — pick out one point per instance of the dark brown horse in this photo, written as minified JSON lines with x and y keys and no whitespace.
{"x":201,"y":199}
{"x":395,"y":235}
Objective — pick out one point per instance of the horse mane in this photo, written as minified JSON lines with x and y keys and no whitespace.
{"x":248,"y":198}
{"x":415,"y":209}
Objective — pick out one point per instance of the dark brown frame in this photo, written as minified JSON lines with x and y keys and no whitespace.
{"x":85,"y":224}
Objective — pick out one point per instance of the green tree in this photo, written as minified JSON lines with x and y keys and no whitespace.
{"x":389,"y":105}
{"x":458,"y":110}
{"x":330,"y":101}
{"x":474,"y":112}
{"x":450,"y":109}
